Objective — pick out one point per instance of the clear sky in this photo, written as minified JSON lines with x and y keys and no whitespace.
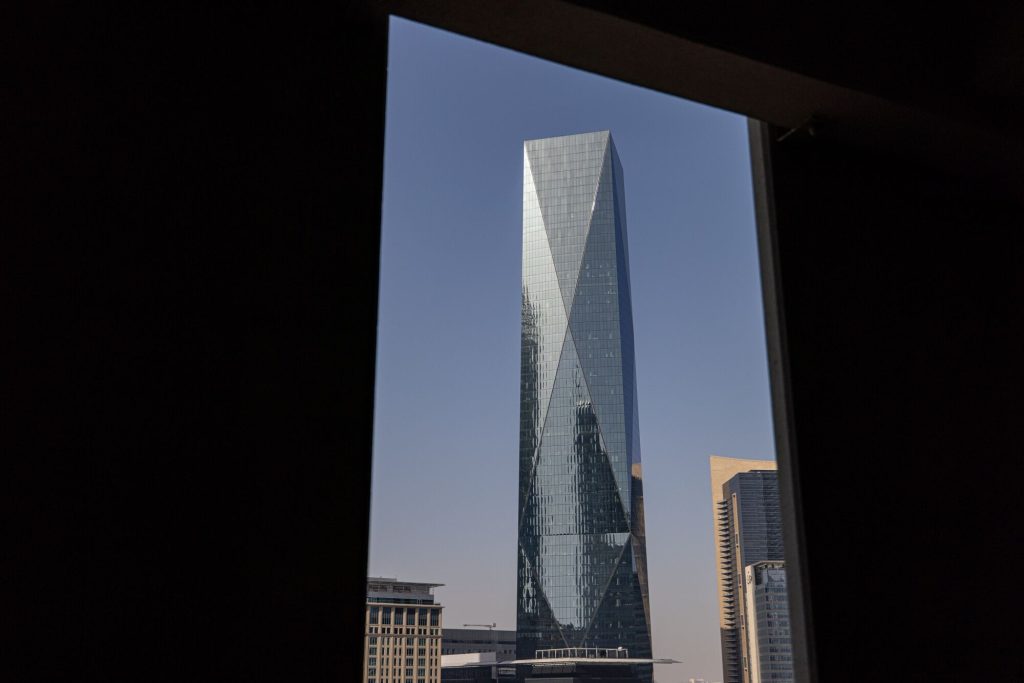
{"x":445,"y":460}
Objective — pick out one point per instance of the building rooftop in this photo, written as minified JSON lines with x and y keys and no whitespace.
{"x":580,"y":660}
{"x":383,"y":580}
{"x":469,"y":659}
{"x":387,"y":589}
{"x":579,"y":655}
{"x":591,"y":134}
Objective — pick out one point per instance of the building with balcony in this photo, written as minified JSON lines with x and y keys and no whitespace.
{"x":402,"y":639}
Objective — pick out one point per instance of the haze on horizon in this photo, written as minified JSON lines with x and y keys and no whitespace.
{"x":445,"y":469}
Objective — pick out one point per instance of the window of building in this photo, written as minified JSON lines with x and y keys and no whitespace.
{"x":609,"y":355}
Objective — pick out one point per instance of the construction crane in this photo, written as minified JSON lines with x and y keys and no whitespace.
{"x":489,"y":627}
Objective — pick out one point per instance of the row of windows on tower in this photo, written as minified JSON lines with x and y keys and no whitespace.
{"x":407,"y":616}
{"x":397,"y":632}
{"x":421,"y":661}
{"x":421,"y":641}
{"x":396,"y":676}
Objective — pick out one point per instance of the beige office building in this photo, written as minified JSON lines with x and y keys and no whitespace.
{"x":732,"y":552}
{"x":402,"y":641}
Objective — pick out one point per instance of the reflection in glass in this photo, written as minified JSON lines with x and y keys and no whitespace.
{"x":582,"y":574}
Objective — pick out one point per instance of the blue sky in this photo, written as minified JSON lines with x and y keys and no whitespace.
{"x":445,"y":470}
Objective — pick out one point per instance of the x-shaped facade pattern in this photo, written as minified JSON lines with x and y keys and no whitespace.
{"x":582,"y":577}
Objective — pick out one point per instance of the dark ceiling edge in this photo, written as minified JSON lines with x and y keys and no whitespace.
{"x":606,"y":45}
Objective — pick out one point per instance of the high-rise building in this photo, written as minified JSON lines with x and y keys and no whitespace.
{"x":402,"y":641}
{"x":748,"y":529}
{"x":769,"y":643}
{"x":582,"y":568}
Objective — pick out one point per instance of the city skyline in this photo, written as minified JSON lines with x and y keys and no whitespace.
{"x":582,"y":564}
{"x":458,"y":112}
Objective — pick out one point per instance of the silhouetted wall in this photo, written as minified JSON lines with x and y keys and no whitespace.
{"x":901,"y":296}
{"x":191,"y":282}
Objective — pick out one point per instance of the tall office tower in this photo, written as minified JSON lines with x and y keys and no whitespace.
{"x":748,"y":529}
{"x":767,"y":611}
{"x":582,"y":567}
{"x":402,"y":639}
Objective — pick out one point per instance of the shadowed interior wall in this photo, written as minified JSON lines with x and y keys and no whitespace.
{"x":900,"y":289}
{"x":190,"y":279}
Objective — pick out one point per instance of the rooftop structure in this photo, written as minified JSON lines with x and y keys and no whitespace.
{"x":603,"y":655}
{"x":577,"y":664}
{"x":583,"y":653}
{"x":468,"y":640}
{"x":383,"y":589}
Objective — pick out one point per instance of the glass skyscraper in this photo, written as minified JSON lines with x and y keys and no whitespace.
{"x":582,"y":558}
{"x":748,"y":526}
{"x":769,"y":641}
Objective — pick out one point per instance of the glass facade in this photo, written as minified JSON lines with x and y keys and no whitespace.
{"x":767,"y":616}
{"x":582,"y":570}
{"x":751,"y":522}
{"x":753,"y":499}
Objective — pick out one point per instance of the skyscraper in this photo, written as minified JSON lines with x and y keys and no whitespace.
{"x":748,"y":526}
{"x":582,"y":558}
{"x":769,"y":642}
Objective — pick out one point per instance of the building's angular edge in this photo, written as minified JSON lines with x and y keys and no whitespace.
{"x":582,"y":568}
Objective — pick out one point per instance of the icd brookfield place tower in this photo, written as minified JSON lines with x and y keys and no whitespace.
{"x":582,"y":567}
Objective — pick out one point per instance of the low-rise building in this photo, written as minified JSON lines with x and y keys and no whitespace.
{"x":457,"y":641}
{"x":478,"y":667}
{"x":583,"y":664}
